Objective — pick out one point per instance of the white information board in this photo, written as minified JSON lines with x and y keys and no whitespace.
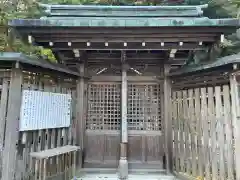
{"x":44,"y":110}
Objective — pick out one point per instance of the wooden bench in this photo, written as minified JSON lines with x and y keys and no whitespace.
{"x":57,"y":163}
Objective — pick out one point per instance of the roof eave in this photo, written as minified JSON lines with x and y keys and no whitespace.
{"x":23,"y":59}
{"x":125,"y":22}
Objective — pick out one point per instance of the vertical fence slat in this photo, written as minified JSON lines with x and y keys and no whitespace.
{"x":59,"y":135}
{"x":198,"y":130}
{"x":178,"y":131}
{"x":212,"y":141}
{"x":175,"y":119}
{"x":220,"y":132}
{"x":53,"y":161}
{"x":205,"y":128}
{"x":185,"y":131}
{"x":228,"y":129}
{"x":180,"y":119}
{"x":69,"y":140}
{"x":47,"y":88}
{"x":235,"y":122}
{"x":192,"y":132}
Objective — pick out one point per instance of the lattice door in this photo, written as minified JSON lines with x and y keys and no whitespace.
{"x":144,"y":110}
{"x":104,"y":106}
{"x":103,"y":124}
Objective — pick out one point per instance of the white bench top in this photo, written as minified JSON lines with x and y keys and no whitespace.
{"x":54,"y":152}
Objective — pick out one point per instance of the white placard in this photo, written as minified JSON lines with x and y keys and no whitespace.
{"x":44,"y":110}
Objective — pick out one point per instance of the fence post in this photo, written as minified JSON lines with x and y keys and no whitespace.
{"x":12,"y":122}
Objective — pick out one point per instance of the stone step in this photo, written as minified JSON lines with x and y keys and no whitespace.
{"x":95,"y":176}
{"x":114,"y":170}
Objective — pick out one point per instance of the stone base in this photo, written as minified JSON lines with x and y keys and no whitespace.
{"x":123,"y":169}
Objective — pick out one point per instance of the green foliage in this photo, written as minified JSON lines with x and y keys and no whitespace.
{"x":9,"y":40}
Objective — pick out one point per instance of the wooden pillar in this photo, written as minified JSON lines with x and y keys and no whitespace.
{"x":123,"y":162}
{"x":3,"y":113}
{"x":236,"y":122}
{"x":80,"y":109}
{"x":167,"y":119}
{"x":12,"y":125}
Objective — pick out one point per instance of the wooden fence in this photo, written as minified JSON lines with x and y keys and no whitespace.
{"x":204,"y":133}
{"x":38,"y":140}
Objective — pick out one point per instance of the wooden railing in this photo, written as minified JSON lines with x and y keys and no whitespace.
{"x":57,"y":163}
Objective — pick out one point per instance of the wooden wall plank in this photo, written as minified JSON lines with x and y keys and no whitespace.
{"x":11,"y":135}
{"x":94,"y":155}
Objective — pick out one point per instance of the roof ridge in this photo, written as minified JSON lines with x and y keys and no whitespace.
{"x":111,"y":6}
{"x":117,"y":11}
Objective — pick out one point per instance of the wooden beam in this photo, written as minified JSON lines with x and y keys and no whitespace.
{"x":12,"y":125}
{"x":144,"y":79}
{"x":123,"y":30}
{"x":168,"y":119}
{"x":122,"y":35}
{"x":120,"y":46}
{"x":80,"y":115}
{"x":109,"y":39}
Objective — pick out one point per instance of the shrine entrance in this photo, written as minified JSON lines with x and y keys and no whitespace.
{"x":124,"y":56}
{"x":144,"y":120}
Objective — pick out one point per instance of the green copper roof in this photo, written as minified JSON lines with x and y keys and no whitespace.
{"x":12,"y":57}
{"x":123,"y":11}
{"x":123,"y":16}
{"x":220,"y":62}
{"x":124,"y":22}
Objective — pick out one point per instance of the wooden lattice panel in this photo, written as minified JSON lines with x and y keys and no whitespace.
{"x":104,"y":101}
{"x":144,"y":107}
